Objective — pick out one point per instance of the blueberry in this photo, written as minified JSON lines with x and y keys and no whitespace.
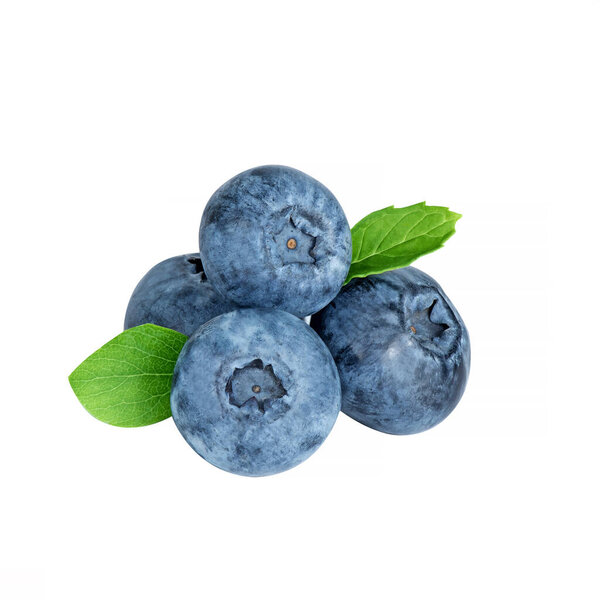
{"x":274,"y":237}
{"x":401,"y":348}
{"x":255,"y":391}
{"x":176,"y":294}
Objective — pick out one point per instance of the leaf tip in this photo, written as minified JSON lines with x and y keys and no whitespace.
{"x":71,"y":378}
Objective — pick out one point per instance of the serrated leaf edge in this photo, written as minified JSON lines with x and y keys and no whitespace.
{"x":453,"y":218}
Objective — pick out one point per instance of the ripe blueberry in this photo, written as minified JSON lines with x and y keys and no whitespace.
{"x":401,"y":348}
{"x":255,"y":391}
{"x":274,"y":237}
{"x":176,"y":294}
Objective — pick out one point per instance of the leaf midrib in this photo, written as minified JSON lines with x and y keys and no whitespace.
{"x":78,"y":379}
{"x":376,"y":252}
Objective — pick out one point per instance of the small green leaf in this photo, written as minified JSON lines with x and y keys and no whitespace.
{"x":127,"y":382}
{"x":391,"y":238}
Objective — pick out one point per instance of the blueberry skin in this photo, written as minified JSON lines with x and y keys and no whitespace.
{"x":275,"y":237}
{"x":255,"y":391}
{"x":401,"y":348}
{"x":176,"y":294}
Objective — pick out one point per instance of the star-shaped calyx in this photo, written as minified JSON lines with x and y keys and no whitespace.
{"x":422,"y":324}
{"x":255,"y":383}
{"x":294,"y":245}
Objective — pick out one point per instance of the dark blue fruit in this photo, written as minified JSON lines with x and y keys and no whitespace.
{"x":401,"y":348}
{"x":176,"y":294}
{"x":274,"y":237}
{"x":255,"y":391}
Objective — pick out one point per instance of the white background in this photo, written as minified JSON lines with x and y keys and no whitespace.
{"x":119,"y":119}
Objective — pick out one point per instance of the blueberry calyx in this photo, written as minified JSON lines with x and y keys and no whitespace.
{"x":423,"y":325}
{"x":293,"y":243}
{"x":198,"y":268}
{"x":254,"y":384}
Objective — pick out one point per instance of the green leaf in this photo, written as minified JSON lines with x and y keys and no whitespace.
{"x":127,"y":382}
{"x":391,"y":238}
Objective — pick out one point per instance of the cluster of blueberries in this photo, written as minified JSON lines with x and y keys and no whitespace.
{"x":278,"y":345}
